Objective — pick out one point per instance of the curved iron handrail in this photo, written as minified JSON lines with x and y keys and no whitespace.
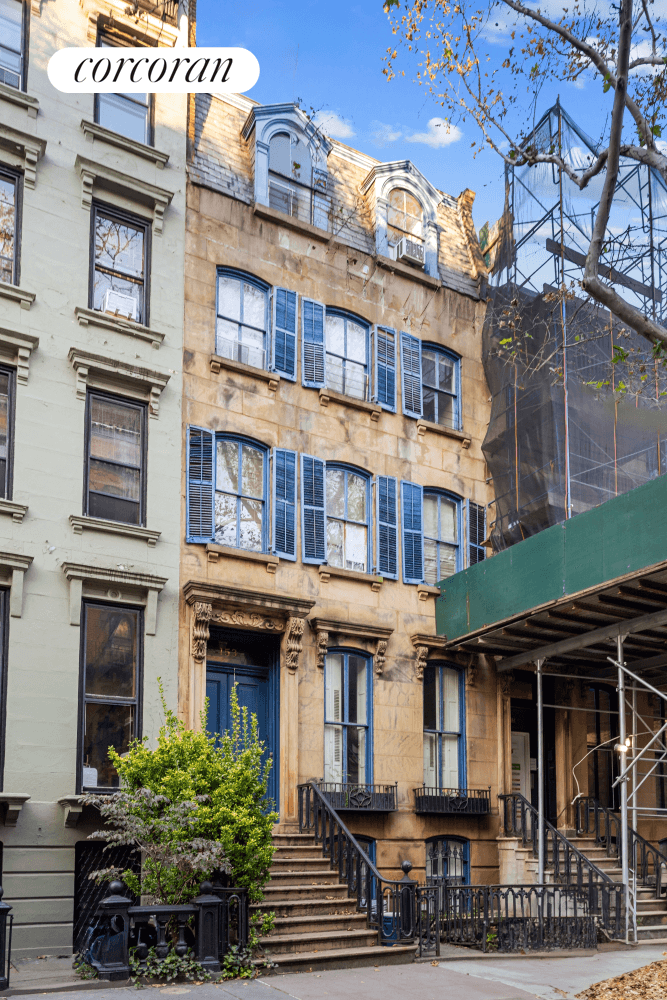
{"x":606,"y":829}
{"x":389,"y":904}
{"x":560,"y":845}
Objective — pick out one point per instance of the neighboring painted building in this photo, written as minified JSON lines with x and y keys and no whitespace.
{"x":334,"y":406}
{"x":92,"y":203}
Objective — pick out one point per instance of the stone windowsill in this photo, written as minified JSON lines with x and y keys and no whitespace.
{"x":19,"y":97}
{"x":16,"y":511}
{"x":93,"y":317}
{"x":20,"y":295}
{"x":14,"y":801}
{"x":214,"y":552}
{"x":94,"y":131}
{"x":218,"y":362}
{"x":428,"y":425}
{"x":290,"y":222}
{"x":81,"y":523}
{"x":424,"y":591}
{"x":373,"y":409}
{"x":416,"y":273}
{"x":326,"y":572}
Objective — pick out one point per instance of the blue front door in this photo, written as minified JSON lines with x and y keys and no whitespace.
{"x":254,"y":690}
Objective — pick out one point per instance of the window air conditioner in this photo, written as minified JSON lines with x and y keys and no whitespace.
{"x":119,"y":304}
{"x":410,"y":251}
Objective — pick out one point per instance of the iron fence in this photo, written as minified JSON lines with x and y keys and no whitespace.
{"x":453,"y":801}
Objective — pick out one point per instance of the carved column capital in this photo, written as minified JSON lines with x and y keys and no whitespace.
{"x":380,"y":656}
{"x":294,"y":645}
{"x":422,"y":656}
{"x":202,"y":614}
{"x":322,"y":645}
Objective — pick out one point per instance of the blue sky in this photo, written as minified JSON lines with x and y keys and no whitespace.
{"x":330,"y":56}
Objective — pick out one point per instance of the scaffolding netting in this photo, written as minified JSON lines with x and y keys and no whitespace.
{"x":579,"y":401}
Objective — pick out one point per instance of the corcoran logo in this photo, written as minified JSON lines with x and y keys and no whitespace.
{"x":156,"y":71}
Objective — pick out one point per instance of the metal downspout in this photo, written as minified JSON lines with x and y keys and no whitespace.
{"x":625,"y":868}
{"x":540,"y":775}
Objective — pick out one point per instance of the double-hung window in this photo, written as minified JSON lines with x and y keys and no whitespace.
{"x":126,"y":114}
{"x":431,"y":377}
{"x":444,"y":758}
{"x":120,"y":253}
{"x":7,"y":385}
{"x":240,"y":495}
{"x":347,"y":508}
{"x":111,"y":655}
{"x":243,"y":319}
{"x":9,"y":225}
{"x":12,"y":42}
{"x":347,"y":718}
{"x":404,"y":217}
{"x":347,"y":355}
{"x":115,"y":459}
{"x":295,"y":186}
{"x":228,"y":493}
{"x":442,"y":515}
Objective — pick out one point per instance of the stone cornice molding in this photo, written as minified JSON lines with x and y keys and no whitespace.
{"x":145,"y":585}
{"x":101,"y":372}
{"x":272,"y":602}
{"x":141,"y":24}
{"x":17,"y":346}
{"x":424,"y":646}
{"x":266,"y":119}
{"x":378,"y":634}
{"x":403,"y":173}
{"x":28,"y":148}
{"x":98,"y":175}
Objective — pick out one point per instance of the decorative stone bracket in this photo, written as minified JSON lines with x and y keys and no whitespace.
{"x":294,"y":645}
{"x":114,"y":585}
{"x":98,"y":175}
{"x":17,"y":346}
{"x":15,"y":566}
{"x":424,"y":646}
{"x":14,"y":804}
{"x":27,"y":148}
{"x":72,"y":807}
{"x":323,"y":627}
{"x":95,"y":370}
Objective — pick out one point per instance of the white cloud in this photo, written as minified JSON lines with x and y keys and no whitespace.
{"x":438,"y":133}
{"x":381,"y":133}
{"x":332,"y":124}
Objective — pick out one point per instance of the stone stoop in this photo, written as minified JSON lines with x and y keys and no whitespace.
{"x":317,"y":925}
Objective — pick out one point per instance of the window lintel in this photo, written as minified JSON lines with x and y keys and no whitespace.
{"x":16,"y":347}
{"x":100,"y":176}
{"x":27,"y":149}
{"x":111,"y":374}
{"x":377,"y":634}
{"x":113,"y":584}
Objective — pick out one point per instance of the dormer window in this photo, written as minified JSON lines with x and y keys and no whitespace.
{"x":404,"y":218}
{"x":295,"y":188}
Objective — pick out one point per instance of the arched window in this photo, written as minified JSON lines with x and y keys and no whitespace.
{"x":447,"y":861}
{"x":443,"y":728}
{"x":347,"y":714}
{"x":347,"y":354}
{"x":442,"y":516}
{"x":348,"y":516}
{"x":295,"y":188}
{"x":243,"y":318}
{"x":240,"y":494}
{"x":404,"y":217}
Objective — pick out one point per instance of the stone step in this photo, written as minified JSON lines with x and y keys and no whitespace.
{"x":312,"y":924}
{"x":344,"y":958}
{"x":650,"y":931}
{"x":311,"y":876}
{"x":661,"y":914}
{"x":290,"y":944}
{"x":298,"y":851}
{"x":293,"y":839}
{"x":309,"y":906}
{"x":292,"y":864}
{"x":283,"y":891}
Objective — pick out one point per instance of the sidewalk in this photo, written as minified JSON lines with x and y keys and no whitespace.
{"x":467,"y":979}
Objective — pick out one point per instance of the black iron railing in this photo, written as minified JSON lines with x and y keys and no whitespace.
{"x":207,"y":927}
{"x":453,"y":801}
{"x":566,"y":863}
{"x":389,"y":904}
{"x":511,"y":918}
{"x":647,"y":862}
{"x":351,"y":797}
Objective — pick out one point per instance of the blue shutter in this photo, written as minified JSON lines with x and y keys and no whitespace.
{"x":313,"y":367}
{"x":313,"y":514}
{"x":387,"y":527}
{"x":385,"y":368}
{"x":412,"y":502}
{"x":411,"y":375}
{"x":200,"y":486}
{"x":284,"y":332}
{"x":284,"y":503}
